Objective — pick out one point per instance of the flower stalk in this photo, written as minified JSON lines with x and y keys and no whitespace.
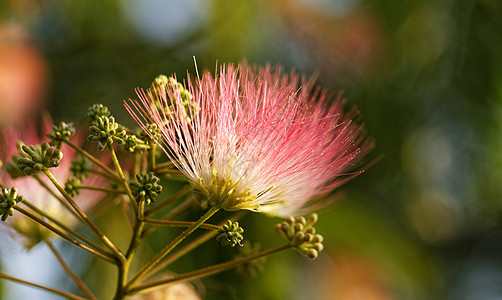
{"x":204,"y":272}
{"x":49,"y":289}
{"x":171,"y":246}
{"x":119,"y":256}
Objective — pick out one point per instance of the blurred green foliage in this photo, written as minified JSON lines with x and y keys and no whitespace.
{"x":426,"y":76}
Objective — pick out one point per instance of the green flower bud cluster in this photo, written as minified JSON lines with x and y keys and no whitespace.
{"x":132,"y":143}
{"x":105,"y":131}
{"x":71,"y":186}
{"x":147,"y":187}
{"x":80,"y":167}
{"x":301,"y":235}
{"x":61,"y":133}
{"x":36,"y":158}
{"x":184,"y":93}
{"x":253,"y":267}
{"x":153,"y":134}
{"x":12,"y":166}
{"x":97,"y":111}
{"x":8,"y":200}
{"x":162,"y":83}
{"x":230,"y":234}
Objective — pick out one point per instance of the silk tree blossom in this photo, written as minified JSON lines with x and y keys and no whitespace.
{"x":173,"y":291}
{"x":254,"y":138}
{"x":30,"y":232}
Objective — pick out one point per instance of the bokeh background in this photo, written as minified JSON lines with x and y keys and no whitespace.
{"x":424,"y":222}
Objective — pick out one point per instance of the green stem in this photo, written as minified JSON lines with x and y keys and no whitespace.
{"x":65,"y":236}
{"x":171,"y":245}
{"x":64,"y":227}
{"x":55,"y":291}
{"x":166,"y":165}
{"x":86,"y":219}
{"x":138,"y":229}
{"x":92,"y":158}
{"x":169,"y":200}
{"x":190,"y":246}
{"x":151,"y":154}
{"x":104,"y":175}
{"x":100,"y":189}
{"x":137,"y":162}
{"x":135,"y":240}
{"x":205,"y":271}
{"x":70,"y":273}
{"x":116,"y":163}
{"x":66,"y":205}
{"x":182,"y":224}
{"x":176,"y":211}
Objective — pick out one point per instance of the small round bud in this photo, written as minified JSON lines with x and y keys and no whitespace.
{"x":298,"y":227}
{"x":278,"y":228}
{"x":318,"y":246}
{"x":312,"y":219}
{"x":318,"y":238}
{"x":312,"y":254}
{"x":300,"y":220}
{"x":310,"y":230}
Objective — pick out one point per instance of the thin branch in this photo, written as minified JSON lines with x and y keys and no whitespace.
{"x":64,"y":227}
{"x":92,"y":158}
{"x":204,"y":272}
{"x":169,"y":200}
{"x":64,"y":203}
{"x":70,"y":273}
{"x":171,"y":246}
{"x":55,"y":291}
{"x":65,"y":236}
{"x":86,"y":219}
{"x":190,"y":246}
{"x":116,"y":163}
{"x":100,"y":189}
{"x":105,"y":175}
{"x":181,"y":224}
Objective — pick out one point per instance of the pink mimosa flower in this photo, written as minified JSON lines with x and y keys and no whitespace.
{"x":253,"y":138}
{"x":30,"y":232}
{"x":173,"y":291}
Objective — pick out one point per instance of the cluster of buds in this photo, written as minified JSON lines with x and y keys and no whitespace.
{"x":131,"y":143}
{"x":301,"y":235}
{"x":230,"y":234}
{"x":80,"y":167}
{"x":60,"y":133}
{"x":253,"y":267}
{"x":71,"y":186}
{"x":8,"y":199}
{"x":147,"y":187}
{"x":105,"y":131}
{"x":153,"y":134}
{"x":36,"y":158}
{"x":162,"y":83}
{"x":97,"y":111}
